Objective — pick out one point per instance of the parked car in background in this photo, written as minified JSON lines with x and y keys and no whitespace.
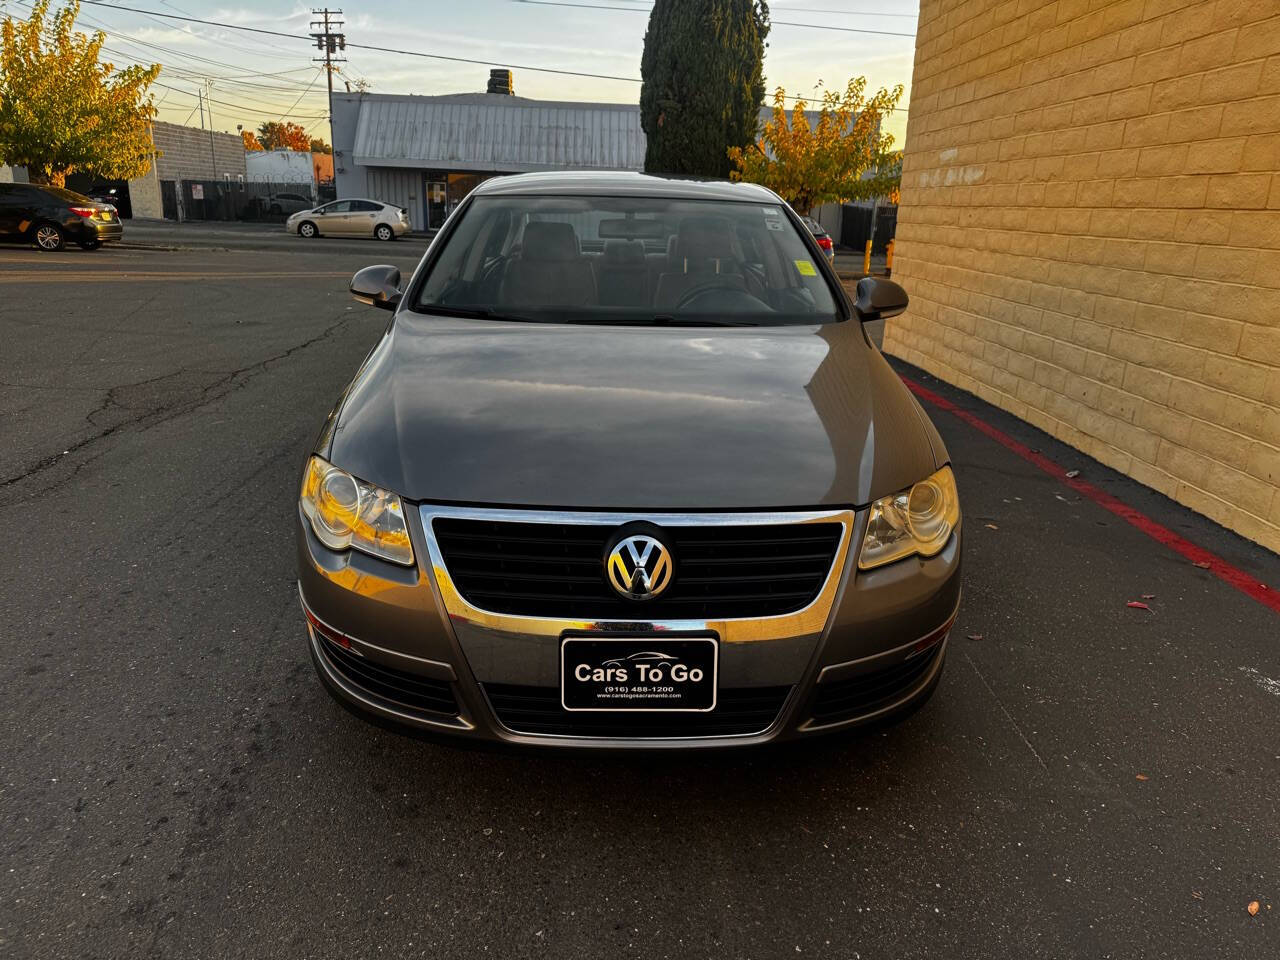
{"x":289,"y":203}
{"x":49,"y":217}
{"x":115,"y":193}
{"x":351,"y":218}
{"x":624,"y":470}
{"x":823,"y":238}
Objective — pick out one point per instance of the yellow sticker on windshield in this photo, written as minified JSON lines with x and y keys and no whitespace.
{"x":806,"y":268}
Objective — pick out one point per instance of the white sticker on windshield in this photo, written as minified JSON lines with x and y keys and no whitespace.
{"x":771,"y":211}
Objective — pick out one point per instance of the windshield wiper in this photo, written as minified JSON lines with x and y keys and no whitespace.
{"x":667,"y":320}
{"x":473,"y":313}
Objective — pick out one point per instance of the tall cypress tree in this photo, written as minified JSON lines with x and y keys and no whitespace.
{"x":703,"y":83}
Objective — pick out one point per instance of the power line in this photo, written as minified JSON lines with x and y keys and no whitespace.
{"x":415,"y":53}
{"x":133,"y":41}
{"x":268,"y":108}
{"x":776,"y":23}
{"x":843,"y":13}
{"x":366,"y":46}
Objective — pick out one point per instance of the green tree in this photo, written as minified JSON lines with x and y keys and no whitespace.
{"x":63,"y":111}
{"x":847,"y":156}
{"x":703,"y":83}
{"x":319,"y":146}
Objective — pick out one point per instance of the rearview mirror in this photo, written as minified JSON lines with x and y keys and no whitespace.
{"x":624,"y":229}
{"x":378,"y":286}
{"x":879,"y":299}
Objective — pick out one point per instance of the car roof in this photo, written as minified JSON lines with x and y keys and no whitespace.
{"x":622,"y":183}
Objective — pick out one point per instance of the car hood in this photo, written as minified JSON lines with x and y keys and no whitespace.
{"x":657,"y":418}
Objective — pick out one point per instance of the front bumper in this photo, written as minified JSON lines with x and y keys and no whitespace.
{"x":403,"y":646}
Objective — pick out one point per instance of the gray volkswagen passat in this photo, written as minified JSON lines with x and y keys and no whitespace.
{"x":625,"y":470}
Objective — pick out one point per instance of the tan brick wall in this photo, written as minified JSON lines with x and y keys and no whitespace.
{"x":1090,"y":233}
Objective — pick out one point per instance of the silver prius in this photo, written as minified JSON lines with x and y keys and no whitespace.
{"x":350,"y":218}
{"x":625,"y":471}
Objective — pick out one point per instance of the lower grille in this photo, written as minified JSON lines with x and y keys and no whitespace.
{"x":537,"y":710}
{"x":398,"y":688}
{"x":722,"y":571}
{"x":859,"y":696}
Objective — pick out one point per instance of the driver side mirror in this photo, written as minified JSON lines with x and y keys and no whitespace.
{"x":378,"y":286}
{"x":879,"y":299}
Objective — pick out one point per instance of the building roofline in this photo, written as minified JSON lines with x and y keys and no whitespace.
{"x":487,"y":99}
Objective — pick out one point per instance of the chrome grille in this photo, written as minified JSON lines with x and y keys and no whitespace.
{"x":722,"y":570}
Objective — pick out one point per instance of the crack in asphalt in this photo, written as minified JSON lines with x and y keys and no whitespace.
{"x":1007,"y":715}
{"x":166,"y":411}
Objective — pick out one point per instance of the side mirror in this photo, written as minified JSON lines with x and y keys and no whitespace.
{"x":377,"y":286}
{"x":879,"y":299}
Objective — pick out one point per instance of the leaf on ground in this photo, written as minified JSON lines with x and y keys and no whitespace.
{"x":1253,"y":908}
{"x":1148,"y":596}
{"x":1072,"y":474}
{"x":1137,"y":605}
{"x":1143,"y":776}
{"x":1202,"y":566}
{"x":991,"y":526}
{"x":975,"y":636}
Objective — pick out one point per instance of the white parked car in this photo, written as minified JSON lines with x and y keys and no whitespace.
{"x":289,"y":203}
{"x":350,"y":218}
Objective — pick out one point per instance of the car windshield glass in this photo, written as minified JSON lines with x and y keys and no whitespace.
{"x":627,"y":261}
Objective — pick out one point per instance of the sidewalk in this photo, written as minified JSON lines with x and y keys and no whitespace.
{"x":236,"y":235}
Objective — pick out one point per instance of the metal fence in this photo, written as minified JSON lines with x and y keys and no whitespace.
{"x":855,"y":227}
{"x":229,"y":200}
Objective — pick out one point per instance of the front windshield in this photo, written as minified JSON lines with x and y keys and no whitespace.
{"x":627,"y":260}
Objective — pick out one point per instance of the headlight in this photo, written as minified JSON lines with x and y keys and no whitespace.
{"x":346,"y":512}
{"x":915,"y":521}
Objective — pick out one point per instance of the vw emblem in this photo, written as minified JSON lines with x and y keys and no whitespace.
{"x":639,"y":567}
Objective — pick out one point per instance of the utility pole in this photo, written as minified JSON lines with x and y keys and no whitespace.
{"x":213,"y":159}
{"x":330,"y":41}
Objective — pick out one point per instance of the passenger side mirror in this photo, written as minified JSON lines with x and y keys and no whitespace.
{"x":378,"y":286}
{"x":879,"y":299}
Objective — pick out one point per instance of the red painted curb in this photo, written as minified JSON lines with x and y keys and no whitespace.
{"x":1196,"y":554}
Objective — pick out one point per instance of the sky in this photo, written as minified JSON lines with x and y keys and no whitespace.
{"x":256,"y":77}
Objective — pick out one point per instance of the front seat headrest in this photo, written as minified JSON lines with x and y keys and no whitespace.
{"x":706,"y":238}
{"x":623,"y":252}
{"x":550,"y":240}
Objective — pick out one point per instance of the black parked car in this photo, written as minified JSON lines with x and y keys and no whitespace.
{"x":52,"y":216}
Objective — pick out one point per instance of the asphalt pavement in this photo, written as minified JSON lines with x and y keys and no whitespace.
{"x":1091,"y":780}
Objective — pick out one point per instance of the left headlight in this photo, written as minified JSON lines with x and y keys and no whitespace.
{"x":915,"y":521}
{"x":346,"y":512}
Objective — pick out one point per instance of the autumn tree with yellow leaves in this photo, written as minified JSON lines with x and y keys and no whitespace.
{"x":61,"y":110}
{"x":846,"y":156}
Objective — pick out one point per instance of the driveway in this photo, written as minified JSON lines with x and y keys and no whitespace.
{"x":1092,"y":778}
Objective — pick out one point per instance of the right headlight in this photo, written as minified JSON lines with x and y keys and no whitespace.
{"x":346,"y":512}
{"x":915,"y":521}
